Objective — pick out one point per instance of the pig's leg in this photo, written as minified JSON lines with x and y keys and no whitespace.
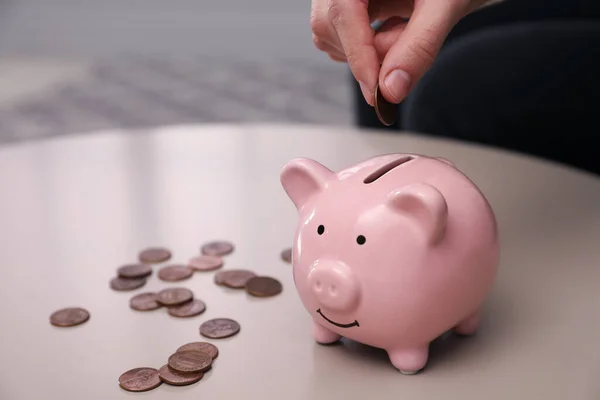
{"x":323,"y":335}
{"x":409,"y":361}
{"x":469,"y":325}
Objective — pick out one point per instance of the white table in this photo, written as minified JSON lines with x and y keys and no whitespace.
{"x":75,"y":208}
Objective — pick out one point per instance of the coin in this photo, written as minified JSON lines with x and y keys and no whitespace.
{"x":174,"y":273}
{"x":144,"y":302}
{"x":122,"y":284}
{"x":189,"y":309}
{"x":205,"y":263}
{"x":204,"y":347}
{"x":286,"y":255}
{"x":386,"y":111}
{"x":154,"y":255}
{"x":174,"y":296}
{"x":263,"y":286}
{"x":233,"y":278}
{"x":134,"y":271}
{"x":217,"y":248}
{"x":175,"y":378}
{"x":140,"y":379}
{"x":190,"y":361}
{"x":70,"y":316}
{"x":219,"y":328}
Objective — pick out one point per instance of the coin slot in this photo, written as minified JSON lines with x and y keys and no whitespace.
{"x":387,"y":168}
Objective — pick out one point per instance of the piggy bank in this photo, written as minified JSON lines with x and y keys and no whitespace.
{"x":392,"y":252}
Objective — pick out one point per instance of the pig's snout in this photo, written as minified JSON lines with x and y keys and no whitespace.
{"x":334,"y":285}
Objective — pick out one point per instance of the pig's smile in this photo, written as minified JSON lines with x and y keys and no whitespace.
{"x":355,"y":323}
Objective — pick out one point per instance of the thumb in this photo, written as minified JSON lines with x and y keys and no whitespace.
{"x":415,"y":50}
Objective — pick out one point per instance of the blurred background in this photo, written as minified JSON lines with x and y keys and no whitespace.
{"x":70,"y":66}
{"x":516,"y":74}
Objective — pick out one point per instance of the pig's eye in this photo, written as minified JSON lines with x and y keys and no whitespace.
{"x":320,"y":229}
{"x":361,"y":239}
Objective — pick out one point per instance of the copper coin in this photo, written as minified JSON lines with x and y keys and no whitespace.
{"x":70,"y":316}
{"x":134,"y":271}
{"x":140,"y":379}
{"x":154,"y":255}
{"x":263,"y":286}
{"x":234,"y":278}
{"x":204,"y":347}
{"x":189,"y":309}
{"x":144,"y":302}
{"x":174,"y":273}
{"x":170,"y":376}
{"x":174,"y":296}
{"x":205,"y":263}
{"x":386,"y":112}
{"x":122,"y":284}
{"x":217,"y":248}
{"x":286,"y":255}
{"x":219,"y":328}
{"x":190,"y":361}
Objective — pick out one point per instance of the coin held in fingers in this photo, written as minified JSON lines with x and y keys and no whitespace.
{"x":386,"y":112}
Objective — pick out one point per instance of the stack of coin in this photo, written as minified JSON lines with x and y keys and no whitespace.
{"x":186,"y":366}
{"x":131,"y":277}
{"x":233,"y":278}
{"x":180,"y":302}
{"x":257,"y":286}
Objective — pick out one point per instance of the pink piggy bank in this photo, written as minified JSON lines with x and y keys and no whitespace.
{"x":392,"y":252}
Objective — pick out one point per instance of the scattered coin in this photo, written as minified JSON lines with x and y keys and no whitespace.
{"x":189,"y":309}
{"x":263,"y":286}
{"x":204,"y":347}
{"x":144,"y":302}
{"x":140,"y":379}
{"x":190,"y":361}
{"x":154,"y":255}
{"x":217,"y":248}
{"x":234,"y":278}
{"x":134,"y":271}
{"x":70,"y":316}
{"x":174,"y":273}
{"x":175,"y":378}
{"x":174,"y":296}
{"x":219,"y":328}
{"x":386,"y":111}
{"x":286,"y":255}
{"x":122,"y":284}
{"x":205,"y":263}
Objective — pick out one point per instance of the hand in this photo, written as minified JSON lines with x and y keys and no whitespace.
{"x":400,"y":52}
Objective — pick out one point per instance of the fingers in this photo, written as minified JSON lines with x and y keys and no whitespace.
{"x":350,"y":19}
{"x":387,"y":35}
{"x":324,"y":35}
{"x":414,"y":50}
{"x":332,"y":51}
{"x":382,"y":10}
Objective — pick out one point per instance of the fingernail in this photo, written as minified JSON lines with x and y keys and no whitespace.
{"x":367,"y":92}
{"x":397,"y":84}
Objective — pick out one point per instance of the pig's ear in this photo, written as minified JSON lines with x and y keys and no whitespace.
{"x":302,"y":178}
{"x":425,"y":205}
